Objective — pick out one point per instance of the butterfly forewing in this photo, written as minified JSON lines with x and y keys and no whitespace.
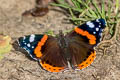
{"x":29,"y":43}
{"x":52,"y":59}
{"x":91,"y":30}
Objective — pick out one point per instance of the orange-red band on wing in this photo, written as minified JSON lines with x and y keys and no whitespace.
{"x":92,"y":39}
{"x":37,"y":50}
{"x":88,"y":61}
{"x":51,"y":68}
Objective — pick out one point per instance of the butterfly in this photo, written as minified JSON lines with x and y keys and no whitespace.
{"x":74,"y":50}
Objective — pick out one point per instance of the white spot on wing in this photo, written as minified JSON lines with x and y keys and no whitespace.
{"x":24,"y":37}
{"x":90,"y":24}
{"x":32,"y":37}
{"x":94,"y":32}
{"x":28,"y":45}
{"x":97,"y":20}
{"x":97,"y":29}
{"x":32,"y":46}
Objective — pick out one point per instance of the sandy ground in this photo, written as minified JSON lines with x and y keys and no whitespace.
{"x":18,"y":66}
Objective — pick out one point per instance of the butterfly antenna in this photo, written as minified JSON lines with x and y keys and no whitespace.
{"x":61,"y":33}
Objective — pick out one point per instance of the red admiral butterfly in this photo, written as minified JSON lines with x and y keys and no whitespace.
{"x":74,"y":50}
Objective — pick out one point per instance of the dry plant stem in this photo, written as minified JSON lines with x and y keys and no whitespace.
{"x":113,"y":39}
{"x":83,"y":13}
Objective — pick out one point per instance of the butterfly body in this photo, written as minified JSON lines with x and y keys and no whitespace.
{"x":74,"y":50}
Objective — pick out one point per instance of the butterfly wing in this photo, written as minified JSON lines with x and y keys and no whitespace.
{"x":82,"y":41}
{"x":45,"y":49}
{"x":52,"y":59}
{"x":81,"y":52}
{"x":29,"y":43}
{"x":91,"y":31}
